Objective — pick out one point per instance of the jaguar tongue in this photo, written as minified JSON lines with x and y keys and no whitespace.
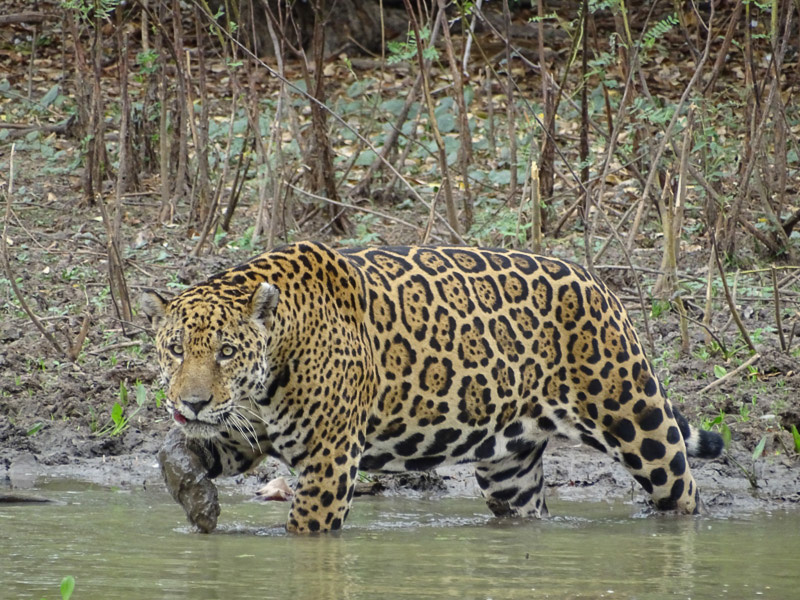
{"x":179,"y":418}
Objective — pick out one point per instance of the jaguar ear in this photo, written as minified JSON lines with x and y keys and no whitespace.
{"x":263,"y":303}
{"x":153,"y":305}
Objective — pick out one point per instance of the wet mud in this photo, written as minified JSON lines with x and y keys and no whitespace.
{"x":571,"y":473}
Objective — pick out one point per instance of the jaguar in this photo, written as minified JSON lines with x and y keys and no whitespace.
{"x":394,"y":359}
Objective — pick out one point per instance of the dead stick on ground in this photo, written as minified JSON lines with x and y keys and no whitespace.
{"x":74,"y":348}
{"x":791,"y":337}
{"x":117,"y":346}
{"x":727,"y":376}
{"x":28,"y":18}
{"x":728,"y":297}
{"x":7,"y":265}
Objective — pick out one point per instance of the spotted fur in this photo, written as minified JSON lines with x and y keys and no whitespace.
{"x":396,"y":359}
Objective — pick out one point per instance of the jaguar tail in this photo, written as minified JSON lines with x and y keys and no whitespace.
{"x":699,"y":443}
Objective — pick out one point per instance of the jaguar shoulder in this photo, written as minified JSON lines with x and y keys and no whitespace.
{"x":409,"y":358}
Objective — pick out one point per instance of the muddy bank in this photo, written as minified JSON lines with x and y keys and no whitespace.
{"x":571,"y":472}
{"x":49,"y":422}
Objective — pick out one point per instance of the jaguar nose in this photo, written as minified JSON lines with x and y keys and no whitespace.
{"x":196,"y":405}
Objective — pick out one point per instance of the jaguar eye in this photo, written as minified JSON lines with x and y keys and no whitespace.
{"x":176,"y":350}
{"x":227,"y":351}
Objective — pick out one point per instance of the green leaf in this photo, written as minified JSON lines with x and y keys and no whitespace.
{"x":393,"y":106}
{"x":67,"y":587}
{"x":760,"y":448}
{"x":726,"y":434}
{"x":708,"y":424}
{"x":358,"y":88}
{"x":50,"y":96}
{"x":123,"y":393}
{"x":659,"y":307}
{"x":116,"y":413}
{"x":365,"y":158}
{"x":796,"y":436}
{"x":38,"y":426}
{"x":500,"y":176}
{"x":141,"y":393}
{"x":446,"y":122}
{"x":720,"y":371}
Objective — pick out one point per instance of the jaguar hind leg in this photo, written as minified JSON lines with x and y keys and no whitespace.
{"x":514,"y":485}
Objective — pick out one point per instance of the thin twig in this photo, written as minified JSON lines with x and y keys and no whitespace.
{"x":449,"y":201}
{"x":468,"y":41}
{"x":75,"y":347}
{"x":536,"y":210}
{"x":731,"y":304}
{"x":727,"y":376}
{"x":791,"y":336}
{"x":778,"y":323}
{"x":722,"y":53}
{"x":722,"y":346}
{"x":120,"y":296}
{"x":117,"y":346}
{"x":684,"y":326}
{"x":26,"y":17}
{"x":7,"y":265}
{"x":510,"y":104}
{"x":464,"y":134}
{"x":667,"y":135}
{"x":354,"y":207}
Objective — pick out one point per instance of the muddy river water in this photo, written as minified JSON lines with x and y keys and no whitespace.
{"x":136,"y":544}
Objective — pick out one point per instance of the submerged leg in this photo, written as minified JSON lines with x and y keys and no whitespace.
{"x":324,"y":493}
{"x":514,"y":485}
{"x":650,"y":446}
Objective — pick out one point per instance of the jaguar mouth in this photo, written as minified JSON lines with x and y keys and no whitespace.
{"x":193,"y":427}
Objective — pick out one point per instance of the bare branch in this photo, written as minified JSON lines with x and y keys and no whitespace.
{"x":7,"y":265}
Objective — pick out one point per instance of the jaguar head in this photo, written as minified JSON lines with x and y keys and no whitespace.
{"x":212,"y":354}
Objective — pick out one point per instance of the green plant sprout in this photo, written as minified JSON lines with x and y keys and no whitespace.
{"x":796,"y":437}
{"x":407,"y":51}
{"x":659,"y":307}
{"x":120,"y":421}
{"x":67,"y":587}
{"x":722,"y":427}
{"x":759,"y":449}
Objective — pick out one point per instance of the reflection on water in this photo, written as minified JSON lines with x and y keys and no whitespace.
{"x":121,"y":544}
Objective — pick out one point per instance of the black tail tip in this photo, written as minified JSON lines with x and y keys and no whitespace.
{"x":709,"y":444}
